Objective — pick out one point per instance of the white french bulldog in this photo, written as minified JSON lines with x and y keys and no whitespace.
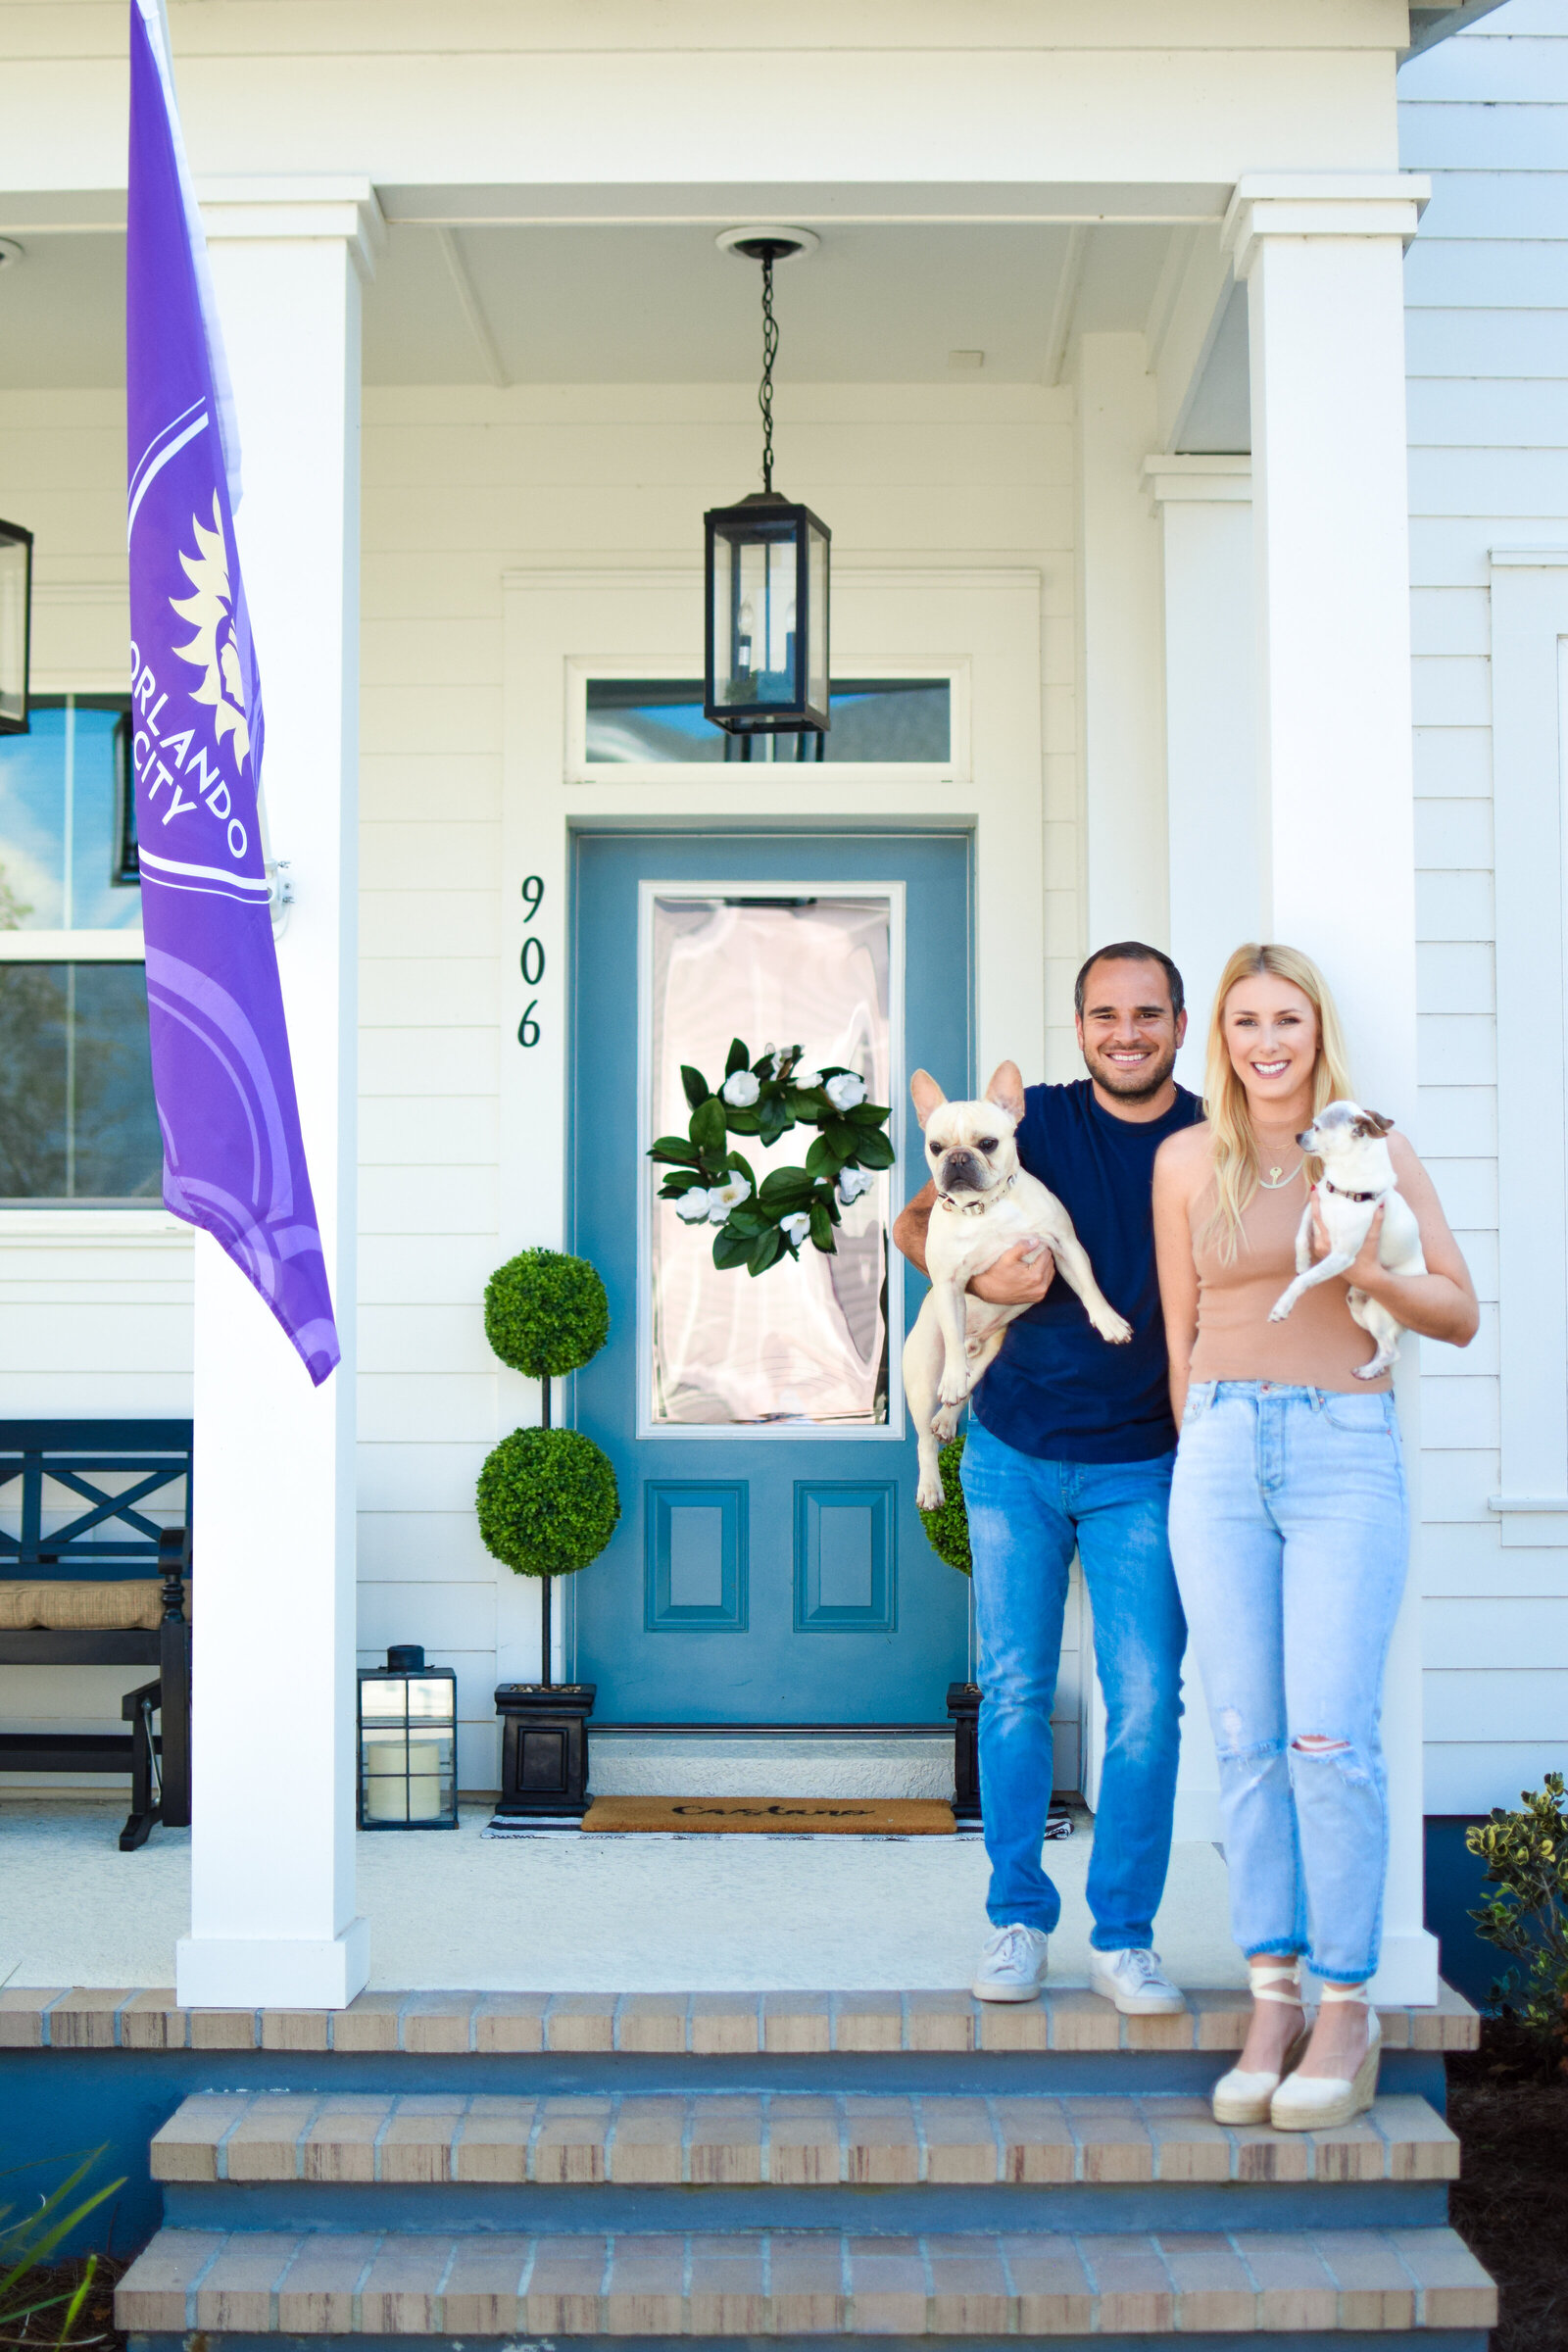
{"x":1357,"y":1176}
{"x":985,"y":1204}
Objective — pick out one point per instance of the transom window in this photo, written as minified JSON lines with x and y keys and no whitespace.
{"x":659,"y":722}
{"x":77,"y":1121}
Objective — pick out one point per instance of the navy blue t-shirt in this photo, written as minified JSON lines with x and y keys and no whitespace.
{"x":1057,"y":1390}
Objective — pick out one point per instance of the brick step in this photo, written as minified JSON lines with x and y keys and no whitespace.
{"x":728,"y":2139}
{"x":770,"y":2284}
{"x":658,"y":2025}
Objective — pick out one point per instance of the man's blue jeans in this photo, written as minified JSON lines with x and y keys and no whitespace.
{"x":1026,"y":1518}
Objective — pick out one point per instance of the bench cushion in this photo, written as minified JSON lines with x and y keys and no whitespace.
{"x":68,"y":1608}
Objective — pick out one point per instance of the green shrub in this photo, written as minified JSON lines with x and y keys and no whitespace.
{"x":26,"y":2243}
{"x":947,"y":1530}
{"x":548,"y":1501}
{"x":1525,"y":1855}
{"x":546,"y":1313}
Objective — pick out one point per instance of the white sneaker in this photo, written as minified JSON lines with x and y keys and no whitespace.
{"x":1012,"y":1965}
{"x":1135,"y":1981}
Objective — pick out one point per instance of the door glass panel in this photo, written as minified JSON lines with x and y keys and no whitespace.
{"x":653,"y":722}
{"x":804,"y":1344}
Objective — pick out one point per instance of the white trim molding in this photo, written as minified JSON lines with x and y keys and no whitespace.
{"x":1530,"y":787}
{"x":1208,"y":481}
{"x":1321,"y":204}
{"x":266,"y":210}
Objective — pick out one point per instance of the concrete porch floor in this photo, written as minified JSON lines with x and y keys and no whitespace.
{"x":566,"y":1913}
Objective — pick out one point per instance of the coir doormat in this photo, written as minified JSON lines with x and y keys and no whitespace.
{"x":772,"y":1816}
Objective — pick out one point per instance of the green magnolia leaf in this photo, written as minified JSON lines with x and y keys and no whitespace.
{"x":707,"y":1125}
{"x":742,"y":1123}
{"x":823,"y":1160}
{"x":764,"y":1250}
{"x":874,"y":1150}
{"x":696,"y":1084}
{"x":785,"y":1189}
{"x":684,"y":1180}
{"x":845,"y":1139}
{"x":673,"y":1147}
{"x":743,"y":1167}
{"x":739,"y":1058}
{"x":773,"y":1119}
{"x":730,"y":1249}
{"x":821,"y":1227}
{"x":747,"y":1218}
{"x":868,"y":1114}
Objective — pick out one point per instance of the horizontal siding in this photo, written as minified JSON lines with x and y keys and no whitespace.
{"x":458,"y":487}
{"x":1487,"y":342}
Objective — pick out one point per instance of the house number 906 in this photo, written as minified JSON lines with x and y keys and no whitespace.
{"x":532,"y":960}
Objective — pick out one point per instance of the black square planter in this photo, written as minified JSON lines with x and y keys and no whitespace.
{"x":963,"y":1705}
{"x":544,"y":1752}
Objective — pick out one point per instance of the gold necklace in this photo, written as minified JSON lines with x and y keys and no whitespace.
{"x":1276,"y":1180}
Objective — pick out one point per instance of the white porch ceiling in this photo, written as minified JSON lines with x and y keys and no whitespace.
{"x":652,"y":304}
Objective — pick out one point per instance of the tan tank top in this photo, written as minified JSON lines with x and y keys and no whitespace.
{"x":1317,"y":1346}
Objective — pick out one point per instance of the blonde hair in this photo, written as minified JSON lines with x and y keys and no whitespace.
{"x":1233,"y":1145}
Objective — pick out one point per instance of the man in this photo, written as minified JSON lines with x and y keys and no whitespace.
{"x":1070,"y":1445}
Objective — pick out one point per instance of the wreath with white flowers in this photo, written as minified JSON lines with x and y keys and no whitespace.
{"x":759,"y":1224}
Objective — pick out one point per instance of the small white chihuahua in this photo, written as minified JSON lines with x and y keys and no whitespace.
{"x":985,"y":1202}
{"x":1357,"y":1180}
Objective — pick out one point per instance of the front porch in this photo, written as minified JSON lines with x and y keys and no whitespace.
{"x":561,"y":1912}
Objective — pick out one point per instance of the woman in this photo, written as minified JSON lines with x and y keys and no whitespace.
{"x":1289,"y":1525}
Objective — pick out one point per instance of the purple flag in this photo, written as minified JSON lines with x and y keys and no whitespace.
{"x":233,"y":1161}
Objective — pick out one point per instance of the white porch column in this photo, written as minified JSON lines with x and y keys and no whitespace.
{"x":273,"y":1917}
{"x":1203,"y":506}
{"x":1213,"y":830}
{"x":1119,"y":658}
{"x":1322,"y":260}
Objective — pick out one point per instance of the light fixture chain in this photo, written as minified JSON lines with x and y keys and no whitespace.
{"x":765,"y":397}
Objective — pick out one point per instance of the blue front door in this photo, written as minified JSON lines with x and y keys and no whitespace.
{"x":770,"y":1566}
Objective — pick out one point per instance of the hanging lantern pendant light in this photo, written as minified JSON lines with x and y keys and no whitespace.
{"x":766,"y":569}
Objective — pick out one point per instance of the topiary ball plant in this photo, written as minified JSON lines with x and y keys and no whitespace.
{"x":947,"y":1529}
{"x":545,"y":1313}
{"x":547,"y":1500}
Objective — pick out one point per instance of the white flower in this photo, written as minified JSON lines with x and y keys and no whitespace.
{"x":806,"y":1075}
{"x":741,"y":1090}
{"x":796,"y":1229}
{"x":845,"y":1090}
{"x":725,"y":1197}
{"x":853,"y":1182}
{"x":692,"y":1206}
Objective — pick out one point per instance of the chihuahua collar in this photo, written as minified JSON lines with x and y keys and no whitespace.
{"x":1345,"y":1194}
{"x":975,"y":1208}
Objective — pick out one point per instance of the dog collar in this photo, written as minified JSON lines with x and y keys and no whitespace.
{"x":974,"y":1209}
{"x":1348,"y":1196}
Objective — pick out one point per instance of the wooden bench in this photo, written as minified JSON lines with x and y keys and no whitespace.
{"x":79,"y":1590}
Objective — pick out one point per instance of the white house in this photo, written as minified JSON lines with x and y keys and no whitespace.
{"x":1182,"y":385}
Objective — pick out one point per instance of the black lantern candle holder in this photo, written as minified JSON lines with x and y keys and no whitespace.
{"x":15,"y":626}
{"x":407,"y":1744}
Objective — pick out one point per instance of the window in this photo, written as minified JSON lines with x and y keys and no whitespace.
{"x":658,"y":721}
{"x":68,"y":819}
{"x":77,"y":1121}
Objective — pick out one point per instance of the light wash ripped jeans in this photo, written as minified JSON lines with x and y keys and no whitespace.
{"x":1290,"y":1533}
